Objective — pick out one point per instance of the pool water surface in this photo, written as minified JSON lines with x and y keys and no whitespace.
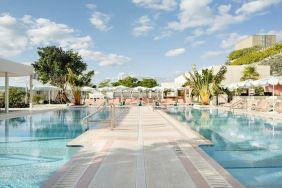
{"x":249,"y":148}
{"x":33,"y":147}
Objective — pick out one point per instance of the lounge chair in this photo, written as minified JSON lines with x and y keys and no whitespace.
{"x":278,"y":107}
{"x":234,"y":103}
{"x":263,"y":106}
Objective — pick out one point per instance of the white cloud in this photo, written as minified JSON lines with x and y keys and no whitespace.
{"x":104,"y":59}
{"x":175,"y":52}
{"x":46,"y":32}
{"x":12,"y":36}
{"x":255,"y":6}
{"x":166,"y":5}
{"x":18,"y":35}
{"x":226,"y":45}
{"x":142,"y":26}
{"x":164,"y":34}
{"x":198,"y":43}
{"x":193,"y":13}
{"x":201,"y":15}
{"x":230,"y":41}
{"x":210,"y":54}
{"x":100,"y":21}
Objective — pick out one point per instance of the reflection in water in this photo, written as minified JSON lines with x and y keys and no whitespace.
{"x":33,"y":147}
{"x":249,"y":148}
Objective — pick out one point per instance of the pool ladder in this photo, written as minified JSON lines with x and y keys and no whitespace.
{"x":85,"y":120}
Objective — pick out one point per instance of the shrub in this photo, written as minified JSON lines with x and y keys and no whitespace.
{"x":254,"y":55}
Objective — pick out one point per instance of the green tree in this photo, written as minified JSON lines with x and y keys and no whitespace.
{"x":104,"y":83}
{"x":53,"y":64}
{"x":148,"y":82}
{"x":205,"y":83}
{"x":77,"y":82}
{"x":128,"y":82}
{"x":250,"y":73}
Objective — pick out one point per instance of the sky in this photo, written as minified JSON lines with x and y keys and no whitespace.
{"x":143,"y":38}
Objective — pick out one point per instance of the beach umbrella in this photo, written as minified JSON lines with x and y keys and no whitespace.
{"x":46,"y":87}
{"x":107,"y":88}
{"x":245,"y":84}
{"x":87,"y":89}
{"x":270,"y":81}
{"x":120,"y":89}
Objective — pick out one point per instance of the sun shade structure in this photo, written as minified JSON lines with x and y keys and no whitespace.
{"x":46,"y":87}
{"x":12,"y":69}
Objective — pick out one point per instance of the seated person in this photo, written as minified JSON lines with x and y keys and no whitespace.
{"x":140,"y":102}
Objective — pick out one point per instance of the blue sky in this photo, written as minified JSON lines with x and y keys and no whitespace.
{"x":158,"y":38}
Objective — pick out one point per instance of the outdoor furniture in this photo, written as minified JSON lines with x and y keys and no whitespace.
{"x":263,"y":106}
{"x":234,"y":103}
{"x":278,"y":107}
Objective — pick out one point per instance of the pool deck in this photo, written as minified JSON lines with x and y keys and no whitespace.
{"x":146,"y":149}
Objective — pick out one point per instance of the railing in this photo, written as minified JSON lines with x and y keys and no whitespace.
{"x":86,"y":118}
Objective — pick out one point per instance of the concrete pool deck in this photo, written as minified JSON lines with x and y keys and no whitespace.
{"x":145,"y":149}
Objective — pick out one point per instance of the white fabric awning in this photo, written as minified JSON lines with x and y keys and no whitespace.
{"x":14,"y":69}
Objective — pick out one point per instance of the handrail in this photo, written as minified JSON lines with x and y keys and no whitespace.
{"x":113,"y":111}
{"x":85,"y":119}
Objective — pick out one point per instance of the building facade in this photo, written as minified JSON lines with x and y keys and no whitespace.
{"x":233,"y":74}
{"x":256,"y":40}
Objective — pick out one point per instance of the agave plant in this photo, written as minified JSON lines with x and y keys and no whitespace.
{"x":205,"y":83}
{"x":77,"y":82}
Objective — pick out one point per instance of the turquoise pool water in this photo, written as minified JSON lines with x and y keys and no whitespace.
{"x":249,"y":148}
{"x":33,"y":147}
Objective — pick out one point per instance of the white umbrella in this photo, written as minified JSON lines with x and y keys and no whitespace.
{"x":270,"y":81}
{"x":87,"y":89}
{"x":245,"y":84}
{"x":140,"y":88}
{"x":156,"y":88}
{"x":105,"y":88}
{"x":120,"y":89}
{"x":46,"y":87}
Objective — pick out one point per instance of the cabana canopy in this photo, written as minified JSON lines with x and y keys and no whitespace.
{"x":12,"y":69}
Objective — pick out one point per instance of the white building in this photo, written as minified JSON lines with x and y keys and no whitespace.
{"x":233,"y":74}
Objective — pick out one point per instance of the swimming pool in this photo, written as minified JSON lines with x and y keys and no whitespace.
{"x":249,"y":148}
{"x":33,"y":147}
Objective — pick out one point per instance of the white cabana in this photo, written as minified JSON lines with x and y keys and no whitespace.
{"x":87,"y":89}
{"x":120,"y":89}
{"x":13,"y":69}
{"x":270,"y":81}
{"x":106,"y":89}
{"x":46,"y":87}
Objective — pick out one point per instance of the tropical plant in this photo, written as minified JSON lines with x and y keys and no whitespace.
{"x":205,"y":83}
{"x":250,"y":73}
{"x":53,"y":64}
{"x":77,"y":81}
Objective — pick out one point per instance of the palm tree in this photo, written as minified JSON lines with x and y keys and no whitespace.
{"x":77,"y":82}
{"x":250,"y":73}
{"x":205,"y":84}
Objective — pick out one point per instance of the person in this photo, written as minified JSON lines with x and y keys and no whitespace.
{"x":140,"y":102}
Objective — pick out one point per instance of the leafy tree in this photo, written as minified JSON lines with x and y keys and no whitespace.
{"x":77,"y":82}
{"x":205,"y":83}
{"x":250,"y":73}
{"x":53,"y":64}
{"x":104,"y":83}
{"x":148,"y":82}
{"x":128,"y":82}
